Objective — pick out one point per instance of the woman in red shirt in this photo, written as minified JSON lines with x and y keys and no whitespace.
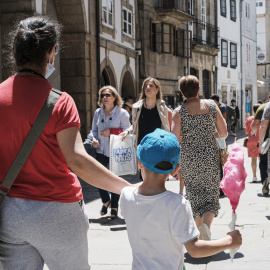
{"x":42,"y":218}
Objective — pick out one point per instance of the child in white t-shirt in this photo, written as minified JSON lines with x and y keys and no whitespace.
{"x":159,"y":222}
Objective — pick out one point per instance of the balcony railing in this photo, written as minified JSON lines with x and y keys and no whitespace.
{"x":205,"y":34}
{"x":182,"y":5}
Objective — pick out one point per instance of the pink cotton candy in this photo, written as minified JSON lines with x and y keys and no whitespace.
{"x":233,"y":181}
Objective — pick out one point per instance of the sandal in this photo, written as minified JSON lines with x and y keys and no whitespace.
{"x":113,"y":214}
{"x":104,"y":209}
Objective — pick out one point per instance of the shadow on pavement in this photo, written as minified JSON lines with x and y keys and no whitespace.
{"x":222,"y":256}
{"x":106,"y":221}
{"x":90,"y":193}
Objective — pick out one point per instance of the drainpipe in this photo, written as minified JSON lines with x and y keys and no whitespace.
{"x":241,"y":60}
{"x":98,"y":44}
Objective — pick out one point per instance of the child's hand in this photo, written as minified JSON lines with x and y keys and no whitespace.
{"x":235,"y":238}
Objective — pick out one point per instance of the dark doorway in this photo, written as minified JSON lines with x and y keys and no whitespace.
{"x":206,"y":84}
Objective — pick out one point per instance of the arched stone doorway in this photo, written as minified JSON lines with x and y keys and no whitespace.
{"x":128,"y":89}
{"x":107,"y":77}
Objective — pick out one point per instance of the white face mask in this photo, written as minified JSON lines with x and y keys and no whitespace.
{"x":50,"y":69}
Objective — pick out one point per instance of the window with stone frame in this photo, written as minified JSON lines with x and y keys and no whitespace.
{"x":233,"y":9}
{"x":223,"y":8}
{"x":127,"y":22}
{"x":233,"y":55}
{"x":182,"y":43}
{"x":224,"y":53}
{"x":107,"y":13}
{"x":166,"y":38}
{"x":161,"y":37}
{"x":156,"y":37}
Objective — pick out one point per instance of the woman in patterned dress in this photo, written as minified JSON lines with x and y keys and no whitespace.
{"x":194,"y":124}
{"x":252,"y":144}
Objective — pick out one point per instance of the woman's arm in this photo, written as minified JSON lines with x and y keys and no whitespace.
{"x":262,"y":131}
{"x":84,"y":166}
{"x":176,"y":124}
{"x":220,"y":124}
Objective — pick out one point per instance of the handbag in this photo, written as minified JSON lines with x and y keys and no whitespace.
{"x":29,"y":143}
{"x":223,"y":156}
{"x":123,"y":155}
{"x":265,"y":146}
{"x":222,"y":152}
{"x":245,"y":142}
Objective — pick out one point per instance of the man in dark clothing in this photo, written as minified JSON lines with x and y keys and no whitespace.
{"x":220,"y":105}
{"x":233,"y":127}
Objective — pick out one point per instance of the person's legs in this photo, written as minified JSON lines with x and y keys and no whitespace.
{"x":114,"y":205}
{"x":263,"y":166}
{"x":104,"y":194}
{"x":254,"y":165}
{"x":204,"y":223}
{"x":32,"y":232}
{"x":208,"y":217}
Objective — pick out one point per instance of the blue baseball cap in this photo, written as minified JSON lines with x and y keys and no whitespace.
{"x":156,"y":147}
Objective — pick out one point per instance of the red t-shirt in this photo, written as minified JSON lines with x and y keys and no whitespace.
{"x":45,"y":175}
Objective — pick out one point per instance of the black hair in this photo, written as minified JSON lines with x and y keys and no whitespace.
{"x":33,"y":38}
{"x":256,"y":106}
{"x":215,"y":97}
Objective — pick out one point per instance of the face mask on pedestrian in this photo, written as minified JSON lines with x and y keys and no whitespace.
{"x":50,"y":69}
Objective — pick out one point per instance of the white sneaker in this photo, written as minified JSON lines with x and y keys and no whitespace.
{"x":205,"y":233}
{"x":254,"y":180}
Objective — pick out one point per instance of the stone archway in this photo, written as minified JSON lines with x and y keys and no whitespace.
{"x":77,"y":73}
{"x":106,"y":65}
{"x":128,"y":87}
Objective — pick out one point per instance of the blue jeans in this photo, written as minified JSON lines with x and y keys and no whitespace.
{"x":104,"y":194}
{"x":263,"y":164}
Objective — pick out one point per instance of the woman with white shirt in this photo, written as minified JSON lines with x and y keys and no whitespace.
{"x":110,"y":118}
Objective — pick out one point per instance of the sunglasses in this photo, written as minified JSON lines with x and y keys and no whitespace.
{"x":105,"y":95}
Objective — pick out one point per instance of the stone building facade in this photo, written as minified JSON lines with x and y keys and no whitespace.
{"x":177,"y":38}
{"x":263,"y":54}
{"x":98,"y":47}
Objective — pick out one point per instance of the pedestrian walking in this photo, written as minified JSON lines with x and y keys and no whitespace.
{"x":252,"y":143}
{"x":43,"y":218}
{"x":264,"y":125}
{"x":263,"y":163}
{"x":150,"y":112}
{"x":159,"y":222}
{"x":108,"y":119}
{"x":234,"y":125}
{"x":194,"y":124}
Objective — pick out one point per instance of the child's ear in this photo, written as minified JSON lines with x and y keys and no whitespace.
{"x":175,"y":170}
{"x":140,"y":165}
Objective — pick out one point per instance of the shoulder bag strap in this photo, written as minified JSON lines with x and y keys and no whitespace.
{"x":29,"y":143}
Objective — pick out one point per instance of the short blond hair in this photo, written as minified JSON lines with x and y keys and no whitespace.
{"x":118,"y":100}
{"x":157,"y":85}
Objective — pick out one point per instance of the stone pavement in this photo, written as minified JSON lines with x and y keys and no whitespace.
{"x":109,"y":247}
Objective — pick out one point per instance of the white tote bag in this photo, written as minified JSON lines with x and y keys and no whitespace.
{"x":123,"y":155}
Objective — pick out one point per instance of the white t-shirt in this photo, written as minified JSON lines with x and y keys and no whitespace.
{"x":157,"y":227}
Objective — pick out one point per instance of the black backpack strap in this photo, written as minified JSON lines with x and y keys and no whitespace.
{"x":29,"y":143}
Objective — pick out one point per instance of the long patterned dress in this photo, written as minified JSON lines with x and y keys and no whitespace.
{"x":200,"y":160}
